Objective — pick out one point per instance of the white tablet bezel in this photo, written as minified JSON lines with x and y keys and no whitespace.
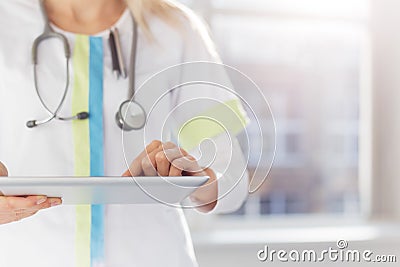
{"x":105,"y":190}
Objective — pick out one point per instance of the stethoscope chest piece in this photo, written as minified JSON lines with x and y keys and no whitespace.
{"x":131,"y":116}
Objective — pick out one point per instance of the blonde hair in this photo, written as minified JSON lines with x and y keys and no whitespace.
{"x":173,"y":13}
{"x":164,"y":9}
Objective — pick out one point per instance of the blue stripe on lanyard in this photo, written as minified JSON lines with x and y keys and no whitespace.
{"x":96,"y":145}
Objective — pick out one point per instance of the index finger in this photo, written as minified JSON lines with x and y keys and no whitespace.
{"x":135,"y":168}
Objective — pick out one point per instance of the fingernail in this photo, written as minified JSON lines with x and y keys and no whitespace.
{"x":41,"y":200}
{"x":55,"y":203}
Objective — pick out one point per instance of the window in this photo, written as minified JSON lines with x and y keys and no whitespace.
{"x":307,"y":56}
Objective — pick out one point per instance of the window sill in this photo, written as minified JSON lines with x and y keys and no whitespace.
{"x":293,"y":231}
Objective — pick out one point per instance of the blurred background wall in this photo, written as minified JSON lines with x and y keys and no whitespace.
{"x":331,"y":71}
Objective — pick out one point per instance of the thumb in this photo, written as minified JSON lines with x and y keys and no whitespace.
{"x":3,"y":170}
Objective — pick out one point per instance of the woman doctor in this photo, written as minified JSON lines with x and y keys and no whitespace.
{"x":114,"y":235}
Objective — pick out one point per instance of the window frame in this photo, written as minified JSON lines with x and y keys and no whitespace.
{"x":203,"y":229}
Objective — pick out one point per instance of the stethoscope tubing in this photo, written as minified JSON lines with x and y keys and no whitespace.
{"x":49,"y":33}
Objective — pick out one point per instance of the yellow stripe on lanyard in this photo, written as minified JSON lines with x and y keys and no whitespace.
{"x":80,"y":103}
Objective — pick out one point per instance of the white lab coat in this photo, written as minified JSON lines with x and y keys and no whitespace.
{"x":136,"y":235}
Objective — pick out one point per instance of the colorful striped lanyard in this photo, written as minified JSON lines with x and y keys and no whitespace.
{"x":88,"y":138}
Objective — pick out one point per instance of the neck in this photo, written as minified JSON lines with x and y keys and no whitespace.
{"x":84,"y":16}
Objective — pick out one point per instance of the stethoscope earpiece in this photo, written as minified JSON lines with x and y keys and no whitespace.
{"x":82,"y":116}
{"x":31,"y":124}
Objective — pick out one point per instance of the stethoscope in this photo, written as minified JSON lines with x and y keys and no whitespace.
{"x":130,"y":115}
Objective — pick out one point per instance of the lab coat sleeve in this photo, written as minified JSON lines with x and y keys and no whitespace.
{"x":229,"y":164}
{"x":232,"y":177}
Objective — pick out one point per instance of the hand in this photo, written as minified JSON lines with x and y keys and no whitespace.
{"x":167,"y":159}
{"x":3,"y":170}
{"x":17,"y":208}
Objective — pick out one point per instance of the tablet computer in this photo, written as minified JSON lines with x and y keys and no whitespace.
{"x":105,"y":190}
